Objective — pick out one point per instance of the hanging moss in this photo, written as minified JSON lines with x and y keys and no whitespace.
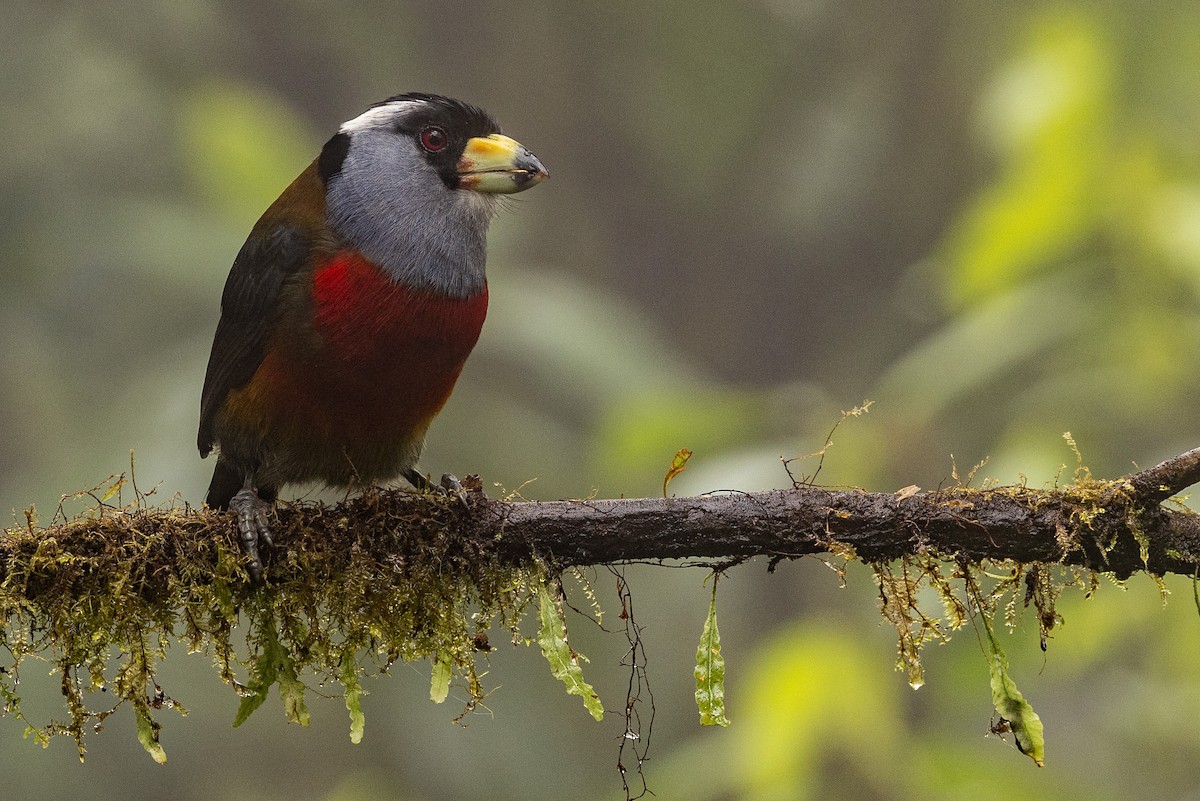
{"x":392,"y":576}
{"x":992,"y":593}
{"x":104,"y":595}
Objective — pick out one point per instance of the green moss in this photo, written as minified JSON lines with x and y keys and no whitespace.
{"x":1008,"y":587}
{"x":392,"y":576}
{"x":103,"y":596}
{"x":989,"y":592}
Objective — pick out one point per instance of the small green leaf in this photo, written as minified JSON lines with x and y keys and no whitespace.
{"x":263,"y":676}
{"x":564,"y":663}
{"x":292,"y":691}
{"x":354,"y":693}
{"x":710,"y":670}
{"x":274,"y":664}
{"x":439,"y":684}
{"x":678,"y":464}
{"x":148,"y":732}
{"x":112,"y":490}
{"x":1011,"y":705}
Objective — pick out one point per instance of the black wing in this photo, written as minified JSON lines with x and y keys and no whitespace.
{"x":248,"y":307}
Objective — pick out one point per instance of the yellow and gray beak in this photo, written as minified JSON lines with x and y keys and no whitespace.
{"x":498,"y":164}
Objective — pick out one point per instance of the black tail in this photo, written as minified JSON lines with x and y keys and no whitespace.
{"x":227,"y":481}
{"x":224,"y":485}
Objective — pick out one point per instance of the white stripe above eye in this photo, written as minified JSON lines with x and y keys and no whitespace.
{"x":379,"y":116}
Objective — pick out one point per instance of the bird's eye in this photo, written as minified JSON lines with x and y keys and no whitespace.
{"x":434,"y":139}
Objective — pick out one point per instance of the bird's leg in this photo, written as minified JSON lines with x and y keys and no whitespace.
{"x":452,"y":485}
{"x":449,"y":486}
{"x":253,"y":526}
{"x":454,"y":488}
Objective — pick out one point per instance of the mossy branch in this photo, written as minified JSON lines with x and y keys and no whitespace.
{"x":1104,"y":526}
{"x":1117,"y":526}
{"x":390,"y":575}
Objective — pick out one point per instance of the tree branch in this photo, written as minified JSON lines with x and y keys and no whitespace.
{"x":1172,"y":476}
{"x":1116,"y":526}
{"x":1100,"y":525}
{"x":391,"y":575}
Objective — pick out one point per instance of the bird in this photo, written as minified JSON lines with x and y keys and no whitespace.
{"x":350,"y":310}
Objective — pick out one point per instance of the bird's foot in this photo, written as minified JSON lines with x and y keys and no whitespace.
{"x":454,"y":488}
{"x":253,"y":527}
{"x":449,"y":486}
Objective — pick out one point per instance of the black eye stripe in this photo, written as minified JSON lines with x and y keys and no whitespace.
{"x":329,"y":163}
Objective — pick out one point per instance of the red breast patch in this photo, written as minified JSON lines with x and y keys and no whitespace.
{"x":363,"y":315}
{"x":388,"y":358}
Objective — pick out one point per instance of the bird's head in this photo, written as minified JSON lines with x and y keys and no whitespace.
{"x":414,"y":181}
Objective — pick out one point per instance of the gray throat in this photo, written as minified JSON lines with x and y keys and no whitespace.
{"x":412,"y":226}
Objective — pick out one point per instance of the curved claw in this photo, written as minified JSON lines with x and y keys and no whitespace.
{"x":253,"y":527}
{"x":451,"y":486}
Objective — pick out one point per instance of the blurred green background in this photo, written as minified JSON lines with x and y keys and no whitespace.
{"x":984,"y":217}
